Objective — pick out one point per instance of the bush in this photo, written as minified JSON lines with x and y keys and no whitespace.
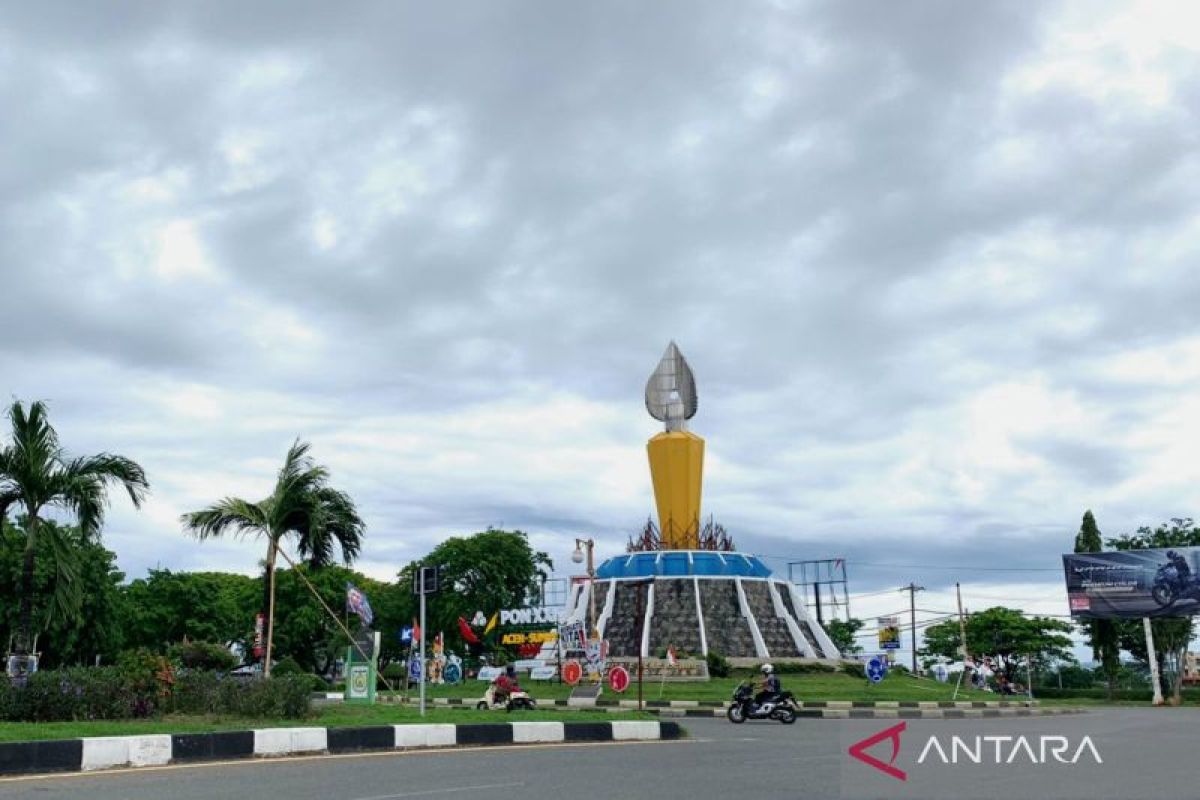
{"x":203,"y":655}
{"x":288,"y":666}
{"x":110,"y":693}
{"x":718,"y":665}
{"x":78,"y":694}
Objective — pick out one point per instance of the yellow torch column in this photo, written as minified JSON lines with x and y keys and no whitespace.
{"x":677,"y":470}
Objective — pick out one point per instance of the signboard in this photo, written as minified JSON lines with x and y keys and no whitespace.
{"x":358,"y":682}
{"x":414,"y":669}
{"x":489,"y":673}
{"x":572,"y":672}
{"x":571,"y":637}
{"x":618,"y":679}
{"x":889,"y":633}
{"x":876,"y":669}
{"x":543,"y":673}
{"x":1133,"y":583}
{"x":363,"y":648}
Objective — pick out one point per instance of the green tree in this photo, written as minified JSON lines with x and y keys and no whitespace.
{"x":303,"y":506}
{"x":844,"y":634}
{"x":1006,"y":635}
{"x":75,"y":639}
{"x":1171,"y":634}
{"x":1102,"y":634}
{"x":486,"y":571}
{"x":36,"y":474}
{"x":306,"y":632}
{"x":165,"y":608}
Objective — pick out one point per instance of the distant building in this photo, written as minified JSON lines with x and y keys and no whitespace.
{"x":1191,"y":668}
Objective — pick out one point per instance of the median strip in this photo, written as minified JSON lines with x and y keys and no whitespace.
{"x":110,"y":752}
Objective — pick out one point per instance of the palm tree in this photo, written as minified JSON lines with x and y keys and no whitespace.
{"x":303,"y":505}
{"x":36,"y":474}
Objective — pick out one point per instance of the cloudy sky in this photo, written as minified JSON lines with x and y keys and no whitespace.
{"x":934,"y":265}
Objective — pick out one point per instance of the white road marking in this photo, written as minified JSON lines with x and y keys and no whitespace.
{"x":446,"y":790}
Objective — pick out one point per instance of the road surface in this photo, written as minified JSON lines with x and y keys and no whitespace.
{"x":1145,"y":752}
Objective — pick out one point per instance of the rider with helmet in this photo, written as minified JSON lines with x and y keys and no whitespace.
{"x":1182,"y":569}
{"x":770,"y":686}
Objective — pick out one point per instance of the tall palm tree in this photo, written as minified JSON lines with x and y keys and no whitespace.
{"x":36,"y":474}
{"x":302,"y":505}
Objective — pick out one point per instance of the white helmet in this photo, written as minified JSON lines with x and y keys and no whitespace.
{"x":767,"y":669}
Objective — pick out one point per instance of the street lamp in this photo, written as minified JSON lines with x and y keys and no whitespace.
{"x":578,"y":557}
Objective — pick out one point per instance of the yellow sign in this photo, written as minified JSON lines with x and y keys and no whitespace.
{"x":535,"y":637}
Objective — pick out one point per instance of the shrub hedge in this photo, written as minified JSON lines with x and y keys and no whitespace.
{"x":91,"y":693}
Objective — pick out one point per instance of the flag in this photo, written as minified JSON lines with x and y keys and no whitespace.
{"x":416,"y":632}
{"x":491,"y":626}
{"x":468,"y":635}
{"x":671,"y":656}
{"x":357,"y":603}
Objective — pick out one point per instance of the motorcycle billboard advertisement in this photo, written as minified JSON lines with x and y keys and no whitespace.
{"x":1131,"y":584}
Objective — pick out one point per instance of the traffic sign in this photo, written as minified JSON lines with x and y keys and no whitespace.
{"x":572,"y":672}
{"x":618,"y":679}
{"x":876,"y":669}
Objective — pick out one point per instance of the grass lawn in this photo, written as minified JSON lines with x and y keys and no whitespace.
{"x":329,"y":716}
{"x":806,"y":686}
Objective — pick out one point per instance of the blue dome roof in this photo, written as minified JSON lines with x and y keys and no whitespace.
{"x":682,"y":563}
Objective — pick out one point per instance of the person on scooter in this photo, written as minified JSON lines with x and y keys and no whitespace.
{"x":506,"y":684}
{"x":770,"y":687}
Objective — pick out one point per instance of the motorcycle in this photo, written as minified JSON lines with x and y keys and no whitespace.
{"x":517,"y":701}
{"x":1169,"y":587}
{"x":743,"y":707}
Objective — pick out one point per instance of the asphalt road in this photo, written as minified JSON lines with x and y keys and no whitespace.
{"x":1145,"y":752}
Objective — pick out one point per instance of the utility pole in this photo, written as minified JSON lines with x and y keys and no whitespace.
{"x":912,"y":590}
{"x":962,"y":627}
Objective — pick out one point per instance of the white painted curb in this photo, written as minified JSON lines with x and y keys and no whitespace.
{"x":527,"y":732}
{"x":282,"y":741}
{"x":624,"y":731}
{"x":425,"y":735}
{"x":105,"y":752}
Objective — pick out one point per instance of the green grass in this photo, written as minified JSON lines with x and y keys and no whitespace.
{"x":806,"y":686}
{"x":328,"y":716}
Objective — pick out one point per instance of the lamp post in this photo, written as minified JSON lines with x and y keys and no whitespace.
{"x":578,"y":557}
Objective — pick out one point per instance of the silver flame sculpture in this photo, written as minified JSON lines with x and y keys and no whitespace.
{"x":671,"y":390}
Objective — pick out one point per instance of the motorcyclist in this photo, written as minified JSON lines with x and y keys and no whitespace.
{"x":505,"y":685}
{"x":770,"y":686}
{"x":1182,"y":569}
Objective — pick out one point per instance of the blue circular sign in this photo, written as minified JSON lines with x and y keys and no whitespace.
{"x":452,"y":673}
{"x":876,"y":669}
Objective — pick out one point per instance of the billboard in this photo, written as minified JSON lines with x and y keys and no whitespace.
{"x":1133,"y":583}
{"x":889,"y":633}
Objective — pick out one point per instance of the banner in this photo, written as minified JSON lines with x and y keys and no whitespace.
{"x":1130,"y":584}
{"x":889,"y":633}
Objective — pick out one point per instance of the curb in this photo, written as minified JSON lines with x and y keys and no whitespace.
{"x":108,"y":752}
{"x":650,"y":705}
{"x":886,"y":713}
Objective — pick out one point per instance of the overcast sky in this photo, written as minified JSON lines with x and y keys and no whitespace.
{"x":934,"y":266}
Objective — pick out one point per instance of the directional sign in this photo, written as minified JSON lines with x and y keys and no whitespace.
{"x":876,"y":669}
{"x":618,"y":679}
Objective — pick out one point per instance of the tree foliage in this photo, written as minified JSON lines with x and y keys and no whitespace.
{"x":36,"y":474}
{"x":1102,"y":635}
{"x":165,"y":608}
{"x":302,"y":507}
{"x":1006,"y":635}
{"x":843,"y":634}
{"x":74,"y":639}
{"x":486,"y":571}
{"x":1171,"y":634}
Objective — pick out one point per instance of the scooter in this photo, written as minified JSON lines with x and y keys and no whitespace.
{"x":517,"y":701}
{"x":743,"y":707}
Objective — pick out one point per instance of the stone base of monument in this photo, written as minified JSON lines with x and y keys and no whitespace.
{"x":699,"y":602}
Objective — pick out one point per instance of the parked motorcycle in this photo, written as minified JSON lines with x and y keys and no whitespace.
{"x":743,"y":706}
{"x":1169,"y":587}
{"x":517,"y":701}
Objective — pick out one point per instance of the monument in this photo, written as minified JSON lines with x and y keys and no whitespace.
{"x":682,"y":584}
